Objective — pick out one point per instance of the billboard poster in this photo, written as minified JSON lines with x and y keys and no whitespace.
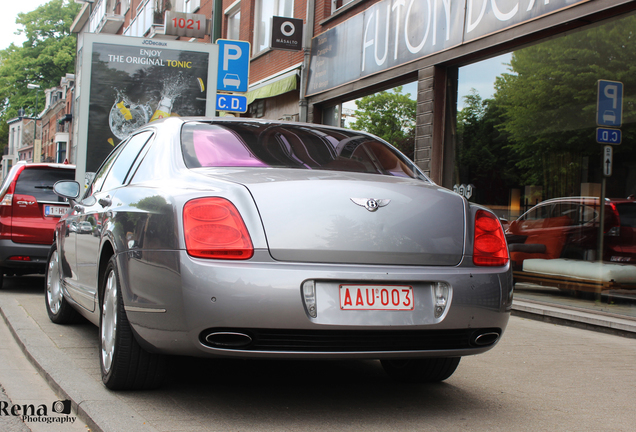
{"x":134,"y":81}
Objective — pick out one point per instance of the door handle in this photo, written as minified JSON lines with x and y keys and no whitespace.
{"x":105,"y":202}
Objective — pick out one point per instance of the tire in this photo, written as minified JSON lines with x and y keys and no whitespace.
{"x":1,"y":278}
{"x":427,"y":370}
{"x":125,"y":365}
{"x":59,"y":310}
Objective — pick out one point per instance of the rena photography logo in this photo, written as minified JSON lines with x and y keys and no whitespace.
{"x":39,"y":413}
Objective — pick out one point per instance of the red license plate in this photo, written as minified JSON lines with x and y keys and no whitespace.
{"x":376,"y":297}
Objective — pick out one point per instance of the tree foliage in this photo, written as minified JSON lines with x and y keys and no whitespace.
{"x":46,"y":56}
{"x":549,"y":103}
{"x":483,"y":156}
{"x":389,"y":115}
{"x":540,"y":127}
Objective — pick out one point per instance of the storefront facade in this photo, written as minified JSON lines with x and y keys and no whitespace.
{"x":507,"y":115}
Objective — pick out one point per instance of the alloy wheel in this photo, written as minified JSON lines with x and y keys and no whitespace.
{"x":109,"y":322}
{"x":53,"y":285}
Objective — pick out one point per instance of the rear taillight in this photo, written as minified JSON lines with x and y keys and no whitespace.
{"x":612,"y":221}
{"x":7,"y":199}
{"x":214,"y":229}
{"x":490,"y":244}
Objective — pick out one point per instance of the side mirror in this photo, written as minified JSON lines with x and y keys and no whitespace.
{"x":68,"y":189}
{"x":513,"y":227}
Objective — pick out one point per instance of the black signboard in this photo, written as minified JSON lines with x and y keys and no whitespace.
{"x":287,"y":33}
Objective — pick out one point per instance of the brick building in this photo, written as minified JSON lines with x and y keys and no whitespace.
{"x":57,"y":121}
{"x":360,"y":47}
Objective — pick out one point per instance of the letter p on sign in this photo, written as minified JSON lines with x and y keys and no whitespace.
{"x":609,"y":105}
{"x":233,"y":66}
{"x":230,"y":52}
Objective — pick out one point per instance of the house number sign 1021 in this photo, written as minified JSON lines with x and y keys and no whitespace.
{"x":186,"y":24}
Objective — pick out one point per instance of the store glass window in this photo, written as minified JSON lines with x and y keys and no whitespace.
{"x":265,"y":10}
{"x":527,"y":146}
{"x":337,"y":4}
{"x":233,"y":22}
{"x":389,"y":114}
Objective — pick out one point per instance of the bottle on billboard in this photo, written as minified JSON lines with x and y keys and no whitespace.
{"x":163,"y":109}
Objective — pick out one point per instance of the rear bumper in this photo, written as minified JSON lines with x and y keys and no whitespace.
{"x":38,"y":255}
{"x":183,"y":310}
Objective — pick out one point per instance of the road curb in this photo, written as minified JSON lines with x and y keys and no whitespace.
{"x":93,"y":402}
{"x":573,"y":317}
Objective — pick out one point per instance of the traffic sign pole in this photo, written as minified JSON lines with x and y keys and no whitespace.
{"x":609,"y":114}
{"x":607,"y":160}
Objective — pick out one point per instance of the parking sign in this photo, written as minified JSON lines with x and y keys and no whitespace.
{"x":609,"y":108}
{"x":234,"y":65}
{"x":231,"y":103}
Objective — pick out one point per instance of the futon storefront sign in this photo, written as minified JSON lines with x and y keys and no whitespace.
{"x":394,"y":32}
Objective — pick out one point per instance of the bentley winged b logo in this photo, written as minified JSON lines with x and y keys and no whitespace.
{"x":371,"y":204}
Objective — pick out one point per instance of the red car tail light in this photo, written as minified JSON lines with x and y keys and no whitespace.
{"x":612,"y":221}
{"x":489,"y":247}
{"x":7,"y":200}
{"x":214,"y":229}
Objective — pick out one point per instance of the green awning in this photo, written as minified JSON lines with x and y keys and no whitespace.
{"x":283,"y":84}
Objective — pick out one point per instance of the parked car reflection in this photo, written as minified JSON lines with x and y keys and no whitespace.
{"x":568,"y":228}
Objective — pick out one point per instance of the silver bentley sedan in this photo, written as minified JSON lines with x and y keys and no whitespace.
{"x":240,"y":238}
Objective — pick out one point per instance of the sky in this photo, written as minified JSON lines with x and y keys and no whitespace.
{"x":480,"y":76}
{"x":8,"y":27}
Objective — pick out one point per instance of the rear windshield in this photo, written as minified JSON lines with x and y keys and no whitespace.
{"x":38,"y":182}
{"x":243,"y":144}
{"x":627,"y":213}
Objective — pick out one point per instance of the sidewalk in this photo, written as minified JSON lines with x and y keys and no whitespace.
{"x":93,"y":403}
{"x":68,"y":364}
{"x":564,"y":315}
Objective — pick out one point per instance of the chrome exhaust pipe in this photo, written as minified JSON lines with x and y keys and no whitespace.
{"x":228,"y":339}
{"x":485,"y":339}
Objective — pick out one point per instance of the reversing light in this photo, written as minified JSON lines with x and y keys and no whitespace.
{"x":214,"y":228}
{"x":442,"y":291}
{"x":489,"y":247}
{"x":309,"y":297}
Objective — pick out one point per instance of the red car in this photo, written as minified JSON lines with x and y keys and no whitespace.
{"x":29,"y":211}
{"x":568,"y":228}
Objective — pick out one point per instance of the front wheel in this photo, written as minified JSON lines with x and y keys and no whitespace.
{"x":57,"y":307}
{"x":125,"y":365}
{"x":426,"y":370}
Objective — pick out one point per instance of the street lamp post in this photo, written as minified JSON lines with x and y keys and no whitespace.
{"x":37,"y":94}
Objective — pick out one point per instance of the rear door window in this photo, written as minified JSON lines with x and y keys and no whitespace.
{"x":38,"y":182}
{"x":627,"y":213}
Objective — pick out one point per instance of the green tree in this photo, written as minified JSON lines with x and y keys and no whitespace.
{"x":46,"y":56}
{"x":389,"y":115}
{"x":483,"y":155}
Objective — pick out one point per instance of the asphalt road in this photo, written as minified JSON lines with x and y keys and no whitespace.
{"x":539,"y":377}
